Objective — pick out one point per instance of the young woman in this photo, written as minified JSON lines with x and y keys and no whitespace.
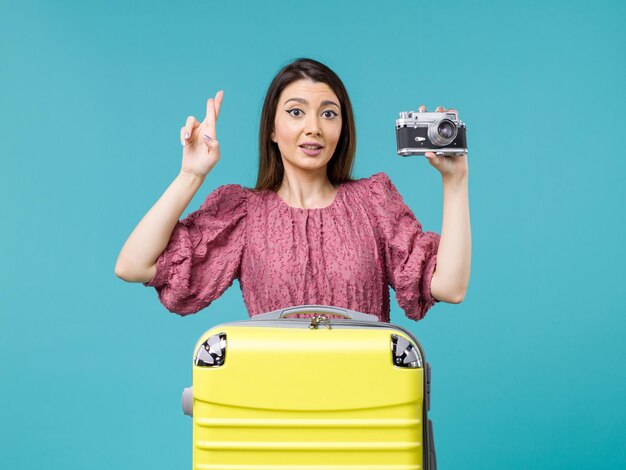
{"x":307,"y":233}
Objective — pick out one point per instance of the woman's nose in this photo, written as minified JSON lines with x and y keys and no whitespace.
{"x":312,"y":126}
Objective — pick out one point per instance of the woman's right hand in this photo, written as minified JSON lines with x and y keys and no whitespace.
{"x":201,"y":149}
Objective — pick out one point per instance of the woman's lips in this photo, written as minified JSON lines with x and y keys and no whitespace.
{"x":311,"y":152}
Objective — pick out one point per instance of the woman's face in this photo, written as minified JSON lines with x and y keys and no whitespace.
{"x":307,"y":112}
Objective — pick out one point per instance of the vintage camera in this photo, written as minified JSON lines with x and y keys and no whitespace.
{"x":420,"y":132}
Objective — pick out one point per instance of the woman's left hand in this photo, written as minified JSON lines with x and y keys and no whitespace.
{"x":448,"y":166}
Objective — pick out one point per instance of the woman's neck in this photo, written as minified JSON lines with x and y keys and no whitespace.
{"x":307,"y":190}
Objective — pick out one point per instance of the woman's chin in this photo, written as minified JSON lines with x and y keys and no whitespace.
{"x":307,"y":163}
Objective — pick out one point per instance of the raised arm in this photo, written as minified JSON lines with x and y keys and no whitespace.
{"x":452,"y":273}
{"x":137,"y":259}
{"x":451,"y":277}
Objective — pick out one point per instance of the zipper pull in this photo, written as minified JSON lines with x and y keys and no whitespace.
{"x":317,"y":319}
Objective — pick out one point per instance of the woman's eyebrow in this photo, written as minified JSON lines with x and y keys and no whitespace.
{"x":303,"y":101}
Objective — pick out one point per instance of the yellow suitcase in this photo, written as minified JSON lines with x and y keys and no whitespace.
{"x":314,"y":393}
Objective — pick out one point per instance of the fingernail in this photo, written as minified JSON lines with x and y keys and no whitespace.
{"x":186,"y":135}
{"x":206,"y":137}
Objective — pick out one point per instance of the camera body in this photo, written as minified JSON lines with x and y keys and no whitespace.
{"x":420,"y":132}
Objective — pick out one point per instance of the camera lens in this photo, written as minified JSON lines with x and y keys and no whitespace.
{"x":445,"y":129}
{"x":442,"y":132}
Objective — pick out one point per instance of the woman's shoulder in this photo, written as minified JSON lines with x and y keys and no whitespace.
{"x":381,"y":176}
{"x":227,"y":197}
{"x":375,"y":183}
{"x":377,"y":192}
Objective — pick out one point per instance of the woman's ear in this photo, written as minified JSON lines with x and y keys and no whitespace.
{"x":273,"y":137}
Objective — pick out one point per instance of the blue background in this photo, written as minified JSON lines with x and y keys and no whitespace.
{"x":527,"y":372}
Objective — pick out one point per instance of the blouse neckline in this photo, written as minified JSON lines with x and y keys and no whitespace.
{"x":303,"y":209}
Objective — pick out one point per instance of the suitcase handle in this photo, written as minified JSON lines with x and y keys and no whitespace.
{"x":313,"y":309}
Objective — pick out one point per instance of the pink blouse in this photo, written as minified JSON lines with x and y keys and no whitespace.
{"x":344,"y":255}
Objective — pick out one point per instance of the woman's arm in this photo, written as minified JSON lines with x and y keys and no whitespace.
{"x":201,"y":152}
{"x":137,"y":260}
{"x":451,"y":277}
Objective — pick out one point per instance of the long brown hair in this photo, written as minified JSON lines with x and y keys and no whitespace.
{"x":271,"y":170}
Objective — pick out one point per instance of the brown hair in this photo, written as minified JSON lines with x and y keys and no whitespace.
{"x":271,"y":170}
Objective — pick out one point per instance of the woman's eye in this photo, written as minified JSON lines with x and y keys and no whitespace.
{"x":295,"y":110}
{"x":330,"y":114}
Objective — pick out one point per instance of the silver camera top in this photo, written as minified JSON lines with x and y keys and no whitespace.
{"x":415,"y":118}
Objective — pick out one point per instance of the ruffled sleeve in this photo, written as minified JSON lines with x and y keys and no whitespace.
{"x":203,"y":255}
{"x":410,"y":254}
